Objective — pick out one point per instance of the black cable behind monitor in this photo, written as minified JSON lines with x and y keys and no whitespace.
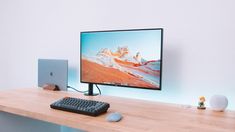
{"x":98,"y":88}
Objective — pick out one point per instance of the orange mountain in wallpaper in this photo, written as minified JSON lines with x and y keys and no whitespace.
{"x":120,"y":68}
{"x":98,"y":73}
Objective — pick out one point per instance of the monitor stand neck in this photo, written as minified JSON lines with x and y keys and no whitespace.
{"x":90,"y":90}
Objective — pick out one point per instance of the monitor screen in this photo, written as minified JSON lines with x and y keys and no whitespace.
{"x":128,"y":58}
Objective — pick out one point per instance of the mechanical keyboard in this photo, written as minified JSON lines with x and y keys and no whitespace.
{"x":81,"y":106}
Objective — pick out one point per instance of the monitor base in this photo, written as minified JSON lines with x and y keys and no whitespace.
{"x":94,"y":94}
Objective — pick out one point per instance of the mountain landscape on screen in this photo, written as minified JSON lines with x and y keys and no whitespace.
{"x":120,"y":67}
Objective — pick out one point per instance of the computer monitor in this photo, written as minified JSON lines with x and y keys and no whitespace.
{"x":126,"y":58}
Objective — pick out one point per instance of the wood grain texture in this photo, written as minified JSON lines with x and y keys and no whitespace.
{"x":139,"y":115}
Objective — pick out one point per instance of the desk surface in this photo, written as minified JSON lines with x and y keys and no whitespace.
{"x":138,"y":115}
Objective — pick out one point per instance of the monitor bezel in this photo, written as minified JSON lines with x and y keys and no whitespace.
{"x":124,"y":86}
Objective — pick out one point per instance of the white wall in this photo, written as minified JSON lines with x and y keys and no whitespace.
{"x":198,"y":42}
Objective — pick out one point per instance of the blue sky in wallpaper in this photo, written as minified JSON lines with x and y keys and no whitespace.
{"x":147,"y":42}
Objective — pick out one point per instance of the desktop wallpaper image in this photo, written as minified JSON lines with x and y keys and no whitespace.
{"x":126,"y":58}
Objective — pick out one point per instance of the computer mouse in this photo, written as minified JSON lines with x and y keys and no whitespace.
{"x":114,"y":117}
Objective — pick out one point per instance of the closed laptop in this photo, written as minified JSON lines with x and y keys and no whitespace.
{"x":51,"y":71}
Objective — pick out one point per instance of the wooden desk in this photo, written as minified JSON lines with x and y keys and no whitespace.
{"x":139,"y":115}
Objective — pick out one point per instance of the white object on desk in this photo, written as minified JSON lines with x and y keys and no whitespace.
{"x":114,"y":117}
{"x":218,"y":102}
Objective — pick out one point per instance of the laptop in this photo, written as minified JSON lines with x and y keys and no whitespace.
{"x":51,"y":71}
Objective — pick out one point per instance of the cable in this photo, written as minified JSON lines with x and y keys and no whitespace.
{"x":98,"y":88}
{"x":76,"y":89}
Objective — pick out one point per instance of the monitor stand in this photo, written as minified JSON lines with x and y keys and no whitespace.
{"x":90,"y":90}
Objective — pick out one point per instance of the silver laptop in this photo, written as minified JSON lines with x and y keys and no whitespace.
{"x":54,"y":72}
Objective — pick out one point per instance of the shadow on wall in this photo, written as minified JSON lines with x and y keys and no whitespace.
{"x":73,"y":77}
{"x":171,"y":74}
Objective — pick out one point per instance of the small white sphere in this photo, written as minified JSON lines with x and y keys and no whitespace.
{"x":218,"y":102}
